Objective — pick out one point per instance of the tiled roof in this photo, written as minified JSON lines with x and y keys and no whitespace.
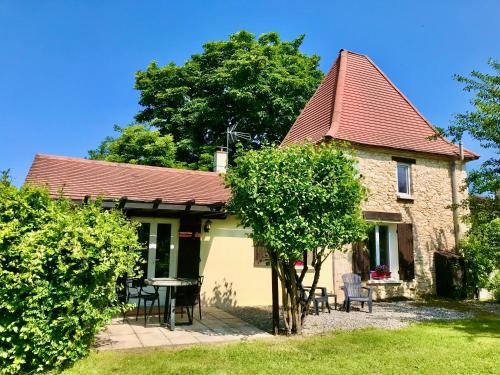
{"x":356,"y":102}
{"x":77,"y":178}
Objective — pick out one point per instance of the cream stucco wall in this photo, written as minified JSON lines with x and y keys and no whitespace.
{"x":227,"y":264}
{"x":429,"y":212}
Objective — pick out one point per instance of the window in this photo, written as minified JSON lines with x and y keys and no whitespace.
{"x":383,"y":248}
{"x":162,"y":260}
{"x":261,"y":257}
{"x":143,"y":234}
{"x":160,"y":241}
{"x":378,"y":244}
{"x":404,"y":182}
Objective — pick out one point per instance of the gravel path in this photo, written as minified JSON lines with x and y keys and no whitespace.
{"x":387,"y":315}
{"x":489,"y":307}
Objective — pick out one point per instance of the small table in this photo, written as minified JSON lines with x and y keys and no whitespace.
{"x":169,"y":283}
{"x":323,"y":298}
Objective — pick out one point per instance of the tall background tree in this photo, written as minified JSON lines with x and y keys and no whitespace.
{"x":481,"y":247}
{"x":298,"y":200}
{"x":258,"y":84}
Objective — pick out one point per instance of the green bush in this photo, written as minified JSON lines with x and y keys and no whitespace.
{"x":481,"y":247}
{"x":494,"y":287}
{"x":59,"y":263}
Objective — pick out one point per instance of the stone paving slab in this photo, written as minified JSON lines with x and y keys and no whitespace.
{"x":216,"y":326}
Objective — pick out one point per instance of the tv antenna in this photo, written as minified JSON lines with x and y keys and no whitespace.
{"x":232,"y":135}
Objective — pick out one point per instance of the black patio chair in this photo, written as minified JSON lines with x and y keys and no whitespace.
{"x":353,"y":292}
{"x":135,"y":289}
{"x":187,"y":297}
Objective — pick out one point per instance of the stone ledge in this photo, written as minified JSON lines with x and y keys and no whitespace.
{"x":384,"y":282}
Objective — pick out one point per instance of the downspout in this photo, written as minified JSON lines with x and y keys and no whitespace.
{"x":454,"y":195}
{"x":333,"y":273}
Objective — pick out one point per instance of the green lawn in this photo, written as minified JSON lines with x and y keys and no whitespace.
{"x":459,"y":347}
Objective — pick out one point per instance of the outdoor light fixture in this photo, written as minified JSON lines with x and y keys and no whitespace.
{"x":207,"y":226}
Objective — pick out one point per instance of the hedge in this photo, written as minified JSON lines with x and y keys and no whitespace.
{"x":59,"y":263}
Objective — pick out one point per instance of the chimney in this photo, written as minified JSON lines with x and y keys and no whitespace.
{"x":220,"y":161}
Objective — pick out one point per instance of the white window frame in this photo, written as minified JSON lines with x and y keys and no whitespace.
{"x":408,"y":177}
{"x":393,"y":248}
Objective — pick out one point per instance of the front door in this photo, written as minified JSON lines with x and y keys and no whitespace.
{"x":189,"y":247}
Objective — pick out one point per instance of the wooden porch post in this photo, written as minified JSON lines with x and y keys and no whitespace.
{"x":276,"y":305}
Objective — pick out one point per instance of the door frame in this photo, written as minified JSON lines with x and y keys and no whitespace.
{"x":174,"y":243}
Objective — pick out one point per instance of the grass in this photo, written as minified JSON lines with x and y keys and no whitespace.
{"x":459,"y":347}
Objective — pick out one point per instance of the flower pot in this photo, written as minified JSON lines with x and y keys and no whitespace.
{"x":380,"y":275}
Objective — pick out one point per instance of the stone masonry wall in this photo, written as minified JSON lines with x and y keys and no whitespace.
{"x":429,"y":213}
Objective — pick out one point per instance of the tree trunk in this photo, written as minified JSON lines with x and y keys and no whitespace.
{"x":294,"y":306}
{"x":295,"y":300}
{"x":284,"y":297}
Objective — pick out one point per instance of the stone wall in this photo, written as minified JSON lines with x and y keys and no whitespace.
{"x":429,"y":212}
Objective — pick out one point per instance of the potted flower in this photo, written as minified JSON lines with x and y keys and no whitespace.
{"x":381,"y":272}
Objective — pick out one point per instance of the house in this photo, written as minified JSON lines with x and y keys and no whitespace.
{"x":412,"y":181}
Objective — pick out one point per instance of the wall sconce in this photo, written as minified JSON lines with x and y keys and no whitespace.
{"x":207,"y":226}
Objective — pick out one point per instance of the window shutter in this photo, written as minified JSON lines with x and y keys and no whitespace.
{"x":360,"y":260}
{"x":261,"y":256}
{"x":405,"y":252}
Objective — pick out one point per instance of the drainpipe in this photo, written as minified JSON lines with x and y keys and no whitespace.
{"x":333,"y":273}
{"x":454,"y":194}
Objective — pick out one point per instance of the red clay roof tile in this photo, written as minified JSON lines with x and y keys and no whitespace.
{"x":356,"y":102}
{"x":77,"y":177}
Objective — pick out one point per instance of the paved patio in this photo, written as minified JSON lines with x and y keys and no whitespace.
{"x":216,"y":326}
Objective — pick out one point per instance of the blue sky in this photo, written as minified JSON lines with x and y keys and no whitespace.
{"x":67,"y":67}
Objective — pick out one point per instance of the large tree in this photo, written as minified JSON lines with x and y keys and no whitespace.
{"x":258,"y":84}
{"x":483,"y":124}
{"x":481,"y":247}
{"x":298,"y":200}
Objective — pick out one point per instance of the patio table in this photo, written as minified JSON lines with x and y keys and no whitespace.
{"x":322,"y":298}
{"x":170,"y":284}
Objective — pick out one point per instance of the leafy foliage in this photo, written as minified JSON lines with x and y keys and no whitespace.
{"x":298,"y":199}
{"x":58,"y":269}
{"x":483,"y":124}
{"x":481,"y":247}
{"x":137,"y":144}
{"x":260,"y":85}
{"x":495,"y":286}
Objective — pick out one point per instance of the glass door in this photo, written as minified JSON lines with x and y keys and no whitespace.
{"x":159,"y":236}
{"x":144,"y":234}
{"x":163,"y":247}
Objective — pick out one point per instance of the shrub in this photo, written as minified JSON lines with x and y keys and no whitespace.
{"x":494,"y":286}
{"x":481,"y":251}
{"x":59,"y":263}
